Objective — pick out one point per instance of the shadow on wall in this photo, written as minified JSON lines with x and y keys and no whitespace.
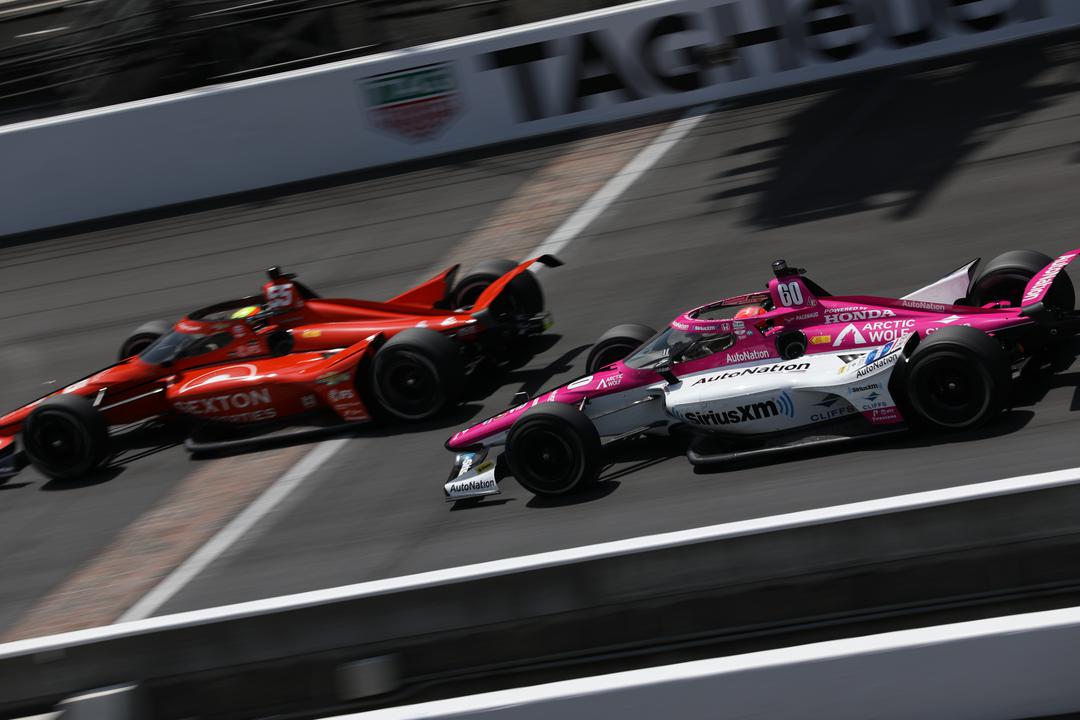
{"x":887,"y":140}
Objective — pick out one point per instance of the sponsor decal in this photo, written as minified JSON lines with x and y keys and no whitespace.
{"x":416,"y":104}
{"x":864,"y":388}
{"x":466,"y":462}
{"x":1047,"y":277}
{"x":309,"y":401}
{"x":338,"y":395}
{"x":474,"y":485}
{"x":828,"y":402}
{"x":739,"y":414}
{"x":609,"y":382}
{"x":225,"y":403}
{"x":760,"y":370}
{"x":311,"y":333}
{"x":878,"y":364}
{"x":820,"y":339}
{"x":832,"y":413}
{"x":921,"y":305}
{"x":849,"y":330}
{"x":673,"y":53}
{"x":680,"y":325}
{"x":885,"y":415}
{"x":787,"y":407}
{"x":846,"y":316}
{"x":746,"y":356}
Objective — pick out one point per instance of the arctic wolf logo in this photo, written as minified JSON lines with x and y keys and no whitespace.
{"x":417,"y":103}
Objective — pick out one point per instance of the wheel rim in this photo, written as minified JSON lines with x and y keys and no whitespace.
{"x":1002,"y":286}
{"x":951,"y":390}
{"x":409,"y":385}
{"x":468,"y":294}
{"x":56,"y":441}
{"x":545,"y":460}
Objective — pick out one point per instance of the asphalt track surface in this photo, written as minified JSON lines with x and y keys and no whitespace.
{"x":881,"y":186}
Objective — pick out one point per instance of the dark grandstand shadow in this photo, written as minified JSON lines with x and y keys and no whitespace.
{"x":885,"y":140}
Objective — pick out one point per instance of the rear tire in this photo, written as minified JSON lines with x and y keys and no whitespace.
{"x":417,"y":374}
{"x":957,"y":379}
{"x":65,"y":437}
{"x":1005,"y":277}
{"x":524,"y":292}
{"x":617,"y":344}
{"x":143,"y":336}
{"x":553,"y":450}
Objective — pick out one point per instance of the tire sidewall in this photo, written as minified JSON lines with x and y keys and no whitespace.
{"x":580,"y":449}
{"x":383,"y":365}
{"x":49,"y":419}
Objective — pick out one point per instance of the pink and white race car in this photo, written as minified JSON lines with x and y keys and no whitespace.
{"x":783,"y":368}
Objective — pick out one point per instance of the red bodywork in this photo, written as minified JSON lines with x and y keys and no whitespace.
{"x":268,"y":357}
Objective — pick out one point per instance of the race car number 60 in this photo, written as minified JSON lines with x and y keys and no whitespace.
{"x":790,"y":294}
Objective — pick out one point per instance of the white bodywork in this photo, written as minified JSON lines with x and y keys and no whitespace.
{"x":747,"y":399}
{"x":948,"y":289}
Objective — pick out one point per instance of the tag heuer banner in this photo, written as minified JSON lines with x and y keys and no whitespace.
{"x":417,"y":103}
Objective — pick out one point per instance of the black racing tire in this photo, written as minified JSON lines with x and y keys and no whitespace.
{"x":142,"y":337}
{"x":65,"y":437}
{"x":616,"y":344}
{"x":958,"y":378}
{"x":524,"y":294}
{"x":554,"y":449}
{"x":417,"y":374}
{"x":1005,"y":277}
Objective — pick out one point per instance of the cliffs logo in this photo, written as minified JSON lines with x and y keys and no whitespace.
{"x":417,"y":104}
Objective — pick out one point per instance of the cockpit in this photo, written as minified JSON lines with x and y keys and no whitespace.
{"x":698,"y":334}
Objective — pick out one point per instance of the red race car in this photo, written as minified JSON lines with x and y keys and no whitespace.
{"x":240,"y":372}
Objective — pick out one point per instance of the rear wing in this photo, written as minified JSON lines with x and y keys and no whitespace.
{"x":492,"y":291}
{"x":1039,"y":286}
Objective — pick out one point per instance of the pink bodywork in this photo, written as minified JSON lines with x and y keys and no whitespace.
{"x":830,"y":324}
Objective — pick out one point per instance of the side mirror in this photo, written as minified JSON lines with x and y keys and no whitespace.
{"x":663,"y":369}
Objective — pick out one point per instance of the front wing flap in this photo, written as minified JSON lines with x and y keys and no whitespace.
{"x":473,"y":475}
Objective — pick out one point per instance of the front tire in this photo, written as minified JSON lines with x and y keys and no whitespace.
{"x":65,"y":437}
{"x":957,"y":379}
{"x":617,"y":344}
{"x":417,"y":374}
{"x":554,"y":449}
{"x":143,"y":337}
{"x":523,"y":295}
{"x":1006,"y":276}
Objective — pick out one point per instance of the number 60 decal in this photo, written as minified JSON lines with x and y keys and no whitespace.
{"x":790,"y":294}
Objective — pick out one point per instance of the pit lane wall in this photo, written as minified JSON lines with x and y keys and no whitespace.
{"x":577,"y":71}
{"x":1021,"y":666}
{"x":377,"y":642}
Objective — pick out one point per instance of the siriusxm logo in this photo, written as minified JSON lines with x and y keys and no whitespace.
{"x":781,"y":405}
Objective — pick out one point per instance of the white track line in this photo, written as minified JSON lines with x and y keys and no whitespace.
{"x":287,"y":483}
{"x":648,"y":156}
{"x":228,"y":535}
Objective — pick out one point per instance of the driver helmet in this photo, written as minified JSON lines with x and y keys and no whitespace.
{"x":749,"y":311}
